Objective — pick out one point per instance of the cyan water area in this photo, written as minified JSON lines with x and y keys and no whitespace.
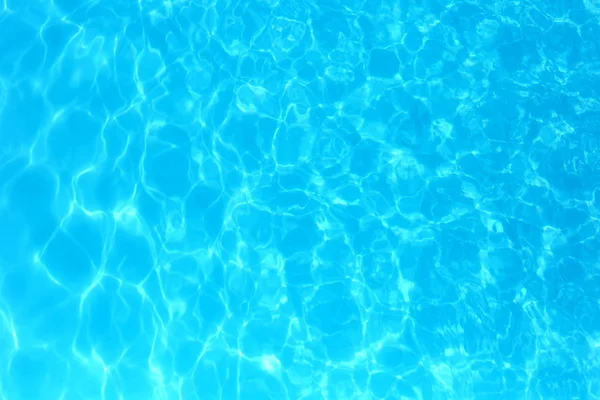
{"x":299,"y":199}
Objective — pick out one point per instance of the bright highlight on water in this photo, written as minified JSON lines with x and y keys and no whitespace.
{"x":303,"y":200}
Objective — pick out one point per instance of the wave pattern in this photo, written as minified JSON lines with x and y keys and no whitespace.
{"x":299,"y":200}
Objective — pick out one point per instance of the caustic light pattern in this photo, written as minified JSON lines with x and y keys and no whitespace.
{"x":284,"y":199}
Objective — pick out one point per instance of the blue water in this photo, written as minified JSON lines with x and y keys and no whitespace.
{"x":284,"y":199}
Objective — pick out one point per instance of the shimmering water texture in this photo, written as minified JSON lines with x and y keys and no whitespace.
{"x":271,"y":200}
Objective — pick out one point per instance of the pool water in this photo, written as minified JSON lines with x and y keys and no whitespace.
{"x":284,"y":199}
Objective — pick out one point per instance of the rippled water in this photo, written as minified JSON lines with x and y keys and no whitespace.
{"x":286,"y":199}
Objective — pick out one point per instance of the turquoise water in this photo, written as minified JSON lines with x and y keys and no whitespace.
{"x":273,"y":199}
